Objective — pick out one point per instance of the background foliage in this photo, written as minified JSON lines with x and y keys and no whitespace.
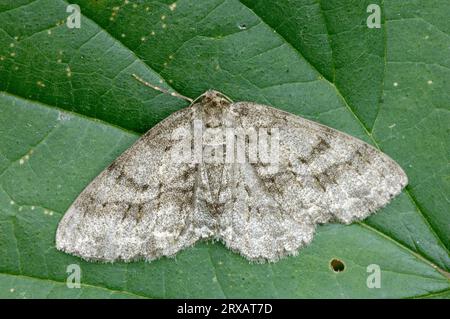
{"x":69,"y":106}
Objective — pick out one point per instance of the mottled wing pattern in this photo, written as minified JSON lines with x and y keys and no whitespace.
{"x":141,"y":206}
{"x":322,"y":175}
{"x":255,"y":222}
{"x":147,"y":205}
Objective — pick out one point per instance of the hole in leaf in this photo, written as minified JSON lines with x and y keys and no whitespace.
{"x":337,"y":265}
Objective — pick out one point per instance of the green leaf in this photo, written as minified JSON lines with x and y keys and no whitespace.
{"x":69,"y":107}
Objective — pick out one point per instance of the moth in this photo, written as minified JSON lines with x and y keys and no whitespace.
{"x":252,"y":176}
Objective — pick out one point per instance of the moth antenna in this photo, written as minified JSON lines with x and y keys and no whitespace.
{"x":157,"y":88}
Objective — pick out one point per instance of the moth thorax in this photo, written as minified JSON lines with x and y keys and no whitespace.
{"x":214,"y":111}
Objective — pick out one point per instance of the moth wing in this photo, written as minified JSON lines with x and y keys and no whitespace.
{"x":141,"y":206}
{"x":315,"y":175}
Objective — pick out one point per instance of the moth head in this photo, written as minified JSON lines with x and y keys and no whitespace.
{"x":215,"y":99}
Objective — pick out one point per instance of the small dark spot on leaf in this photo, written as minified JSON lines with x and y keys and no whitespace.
{"x":337,"y":265}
